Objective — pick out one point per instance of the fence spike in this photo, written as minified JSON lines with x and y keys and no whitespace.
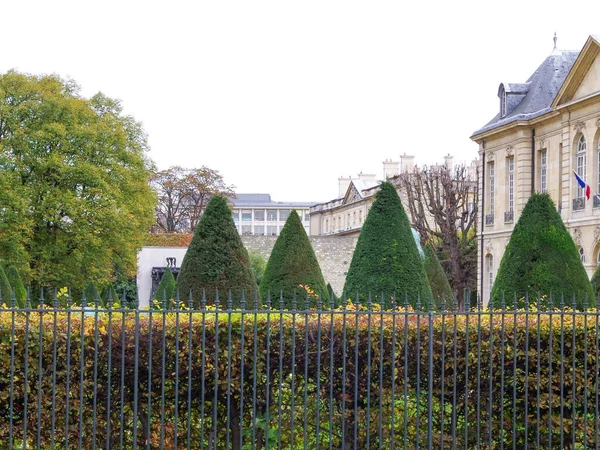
{"x":503,"y":303}
{"x":203,"y":303}
{"x":243,"y":300}
{"x":281,"y":301}
{"x":230,"y":301}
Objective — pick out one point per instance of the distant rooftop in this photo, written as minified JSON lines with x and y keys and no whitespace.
{"x":264,"y":200}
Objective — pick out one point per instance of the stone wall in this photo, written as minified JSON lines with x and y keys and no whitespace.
{"x":334,"y":254}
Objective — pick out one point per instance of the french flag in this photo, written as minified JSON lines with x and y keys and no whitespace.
{"x":583,"y":185}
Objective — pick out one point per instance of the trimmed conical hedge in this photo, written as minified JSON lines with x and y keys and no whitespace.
{"x":596,"y":281}
{"x":541,"y":259}
{"x":216,"y":259}
{"x":386,"y":260}
{"x":5,"y":288}
{"x":440,"y":287}
{"x":167,"y":288}
{"x":293,"y":267}
{"x":14,"y":279}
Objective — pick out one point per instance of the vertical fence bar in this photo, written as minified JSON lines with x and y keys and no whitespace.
{"x":454,"y":370}
{"x":562,"y":369}
{"x":393,"y":399}
{"x":11,"y":408}
{"x":526,"y":415}
{"x":54,"y":356}
{"x":597,"y":373}
{"x":368,"y":424}
{"x":418,"y":360}
{"x":203,"y":371}
{"x":550,"y":353}
{"x":268,"y":373}
{"x":109,"y":372}
{"x":344,"y":343}
{"x":538,"y":370}
{"x":466,"y":301}
{"x":122,"y":390}
{"x":502,"y":355}
{"x":318,"y":380}
{"x":478,"y":407}
{"x":148,"y":424}
{"x":228,"y":412}
{"x":40,"y":368}
{"x":574,"y":375}
{"x":254,"y":373}
{"x":405,"y":418}
{"x":95,"y":389}
{"x":443,"y":370}
{"x":430,"y":378}
{"x":280,"y":385}
{"x":25,"y":371}
{"x":163,"y":370}
{"x":305,"y":414}
{"x":215,"y":432}
{"x":491,"y":379}
{"x":136,"y":364}
{"x":188,"y":441}
{"x":242,"y":369}
{"x":585,"y":373}
{"x":514,"y":401}
{"x":381,"y":361}
{"x":82,"y":369}
{"x":356,"y":345}
{"x":331,"y":361}
{"x":293,"y":376}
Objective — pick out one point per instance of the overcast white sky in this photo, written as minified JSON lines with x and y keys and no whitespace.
{"x":284,"y":97}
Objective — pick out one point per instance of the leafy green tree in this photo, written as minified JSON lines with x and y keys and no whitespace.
{"x":440,"y":287}
{"x":167,"y":288}
{"x":79,"y":197}
{"x":258,"y":264}
{"x":216,"y":258}
{"x":5,"y":288}
{"x":293,"y":266}
{"x":540,"y":259}
{"x":17,"y":286}
{"x":386,"y":260}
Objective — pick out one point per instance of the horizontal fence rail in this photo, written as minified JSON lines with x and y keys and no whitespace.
{"x":380,"y":375}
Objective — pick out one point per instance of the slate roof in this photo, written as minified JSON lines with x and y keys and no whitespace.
{"x":541,"y":88}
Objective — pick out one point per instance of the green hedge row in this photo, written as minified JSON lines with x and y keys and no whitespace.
{"x":332,"y":377}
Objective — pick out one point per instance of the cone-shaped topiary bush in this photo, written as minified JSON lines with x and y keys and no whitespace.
{"x":5,"y":288}
{"x":167,"y":288}
{"x":109,"y":293}
{"x":14,"y":279}
{"x":91,"y":294}
{"x":541,"y":259}
{"x":216,"y":259}
{"x":293,"y":267}
{"x":596,"y":281}
{"x":440,"y":287}
{"x":386,"y":260}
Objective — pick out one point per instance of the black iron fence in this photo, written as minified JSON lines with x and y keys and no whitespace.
{"x":381,"y":375}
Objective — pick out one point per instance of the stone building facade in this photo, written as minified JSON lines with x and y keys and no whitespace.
{"x":346,"y":214}
{"x":546,"y":129}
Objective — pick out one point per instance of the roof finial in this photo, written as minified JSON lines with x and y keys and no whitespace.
{"x":555,"y":39}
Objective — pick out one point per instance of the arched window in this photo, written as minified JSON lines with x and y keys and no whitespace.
{"x":582,"y":254}
{"x":598,"y":257}
{"x":580,"y":164}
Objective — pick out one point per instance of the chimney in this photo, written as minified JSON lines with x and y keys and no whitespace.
{"x":390,"y":169}
{"x":344,"y":182}
{"x":367,"y":176}
{"x":407,"y":163}
{"x":448,"y":162}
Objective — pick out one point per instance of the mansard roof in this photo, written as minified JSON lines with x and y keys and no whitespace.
{"x":538,"y":92}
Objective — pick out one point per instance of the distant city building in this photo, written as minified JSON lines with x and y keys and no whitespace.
{"x":258,"y":215}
